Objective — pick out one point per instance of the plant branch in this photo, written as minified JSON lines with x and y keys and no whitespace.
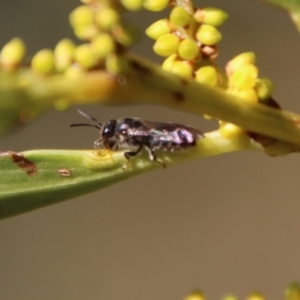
{"x":146,"y":83}
{"x":291,"y":6}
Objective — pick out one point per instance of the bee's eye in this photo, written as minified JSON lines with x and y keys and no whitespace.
{"x":109,"y":129}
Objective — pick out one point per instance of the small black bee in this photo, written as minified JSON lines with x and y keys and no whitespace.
{"x":133,"y":134}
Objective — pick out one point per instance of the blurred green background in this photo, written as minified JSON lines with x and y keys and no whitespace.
{"x":224,"y":224}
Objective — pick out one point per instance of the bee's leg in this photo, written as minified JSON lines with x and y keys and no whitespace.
{"x":153,"y":157}
{"x":97,"y":143}
{"x":129,"y":154}
{"x":102,"y":151}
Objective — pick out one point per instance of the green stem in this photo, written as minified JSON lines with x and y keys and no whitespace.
{"x":147,"y":83}
{"x":163,"y":88}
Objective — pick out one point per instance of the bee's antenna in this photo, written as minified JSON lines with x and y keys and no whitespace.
{"x":85,"y":124}
{"x":98,"y":124}
{"x":89,"y":117}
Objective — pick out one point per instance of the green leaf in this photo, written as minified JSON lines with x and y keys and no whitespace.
{"x":37,"y":178}
{"x":291,"y":6}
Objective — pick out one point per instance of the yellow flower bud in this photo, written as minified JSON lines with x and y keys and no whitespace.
{"x":81,"y":16}
{"x":43,"y":62}
{"x":244,"y":77}
{"x":245,"y":58}
{"x":211,"y":16}
{"x":85,"y":56}
{"x":132,"y":5}
{"x":188,"y":49}
{"x":86,"y":33}
{"x":229,"y":297}
{"x":158,"y":28}
{"x":255,"y":296}
{"x":264,"y":88}
{"x":102,"y":45}
{"x":12,"y":54}
{"x":207,"y":75}
{"x":196,"y":295}
{"x":166,"y":44}
{"x":182,"y":68}
{"x":64,"y":54}
{"x":230,"y":131}
{"x":155,"y":5}
{"x":168,"y":62}
{"x":107,"y":17}
{"x":180,"y":17}
{"x":208,"y":35}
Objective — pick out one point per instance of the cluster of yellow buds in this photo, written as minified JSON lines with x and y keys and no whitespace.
{"x":99,"y":25}
{"x":198,"y":295}
{"x":292,"y":293}
{"x":243,"y":82}
{"x":188,"y":38}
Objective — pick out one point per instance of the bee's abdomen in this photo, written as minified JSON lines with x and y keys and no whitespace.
{"x":178,"y":139}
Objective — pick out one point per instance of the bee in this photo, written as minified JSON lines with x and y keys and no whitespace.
{"x":133,"y":135}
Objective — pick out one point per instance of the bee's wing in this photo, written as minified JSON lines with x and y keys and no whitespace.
{"x":138,"y":132}
{"x":169,"y":127}
{"x":193,"y":130}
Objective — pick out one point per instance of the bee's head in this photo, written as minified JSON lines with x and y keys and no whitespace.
{"x":108,"y":129}
{"x":108,"y":134}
